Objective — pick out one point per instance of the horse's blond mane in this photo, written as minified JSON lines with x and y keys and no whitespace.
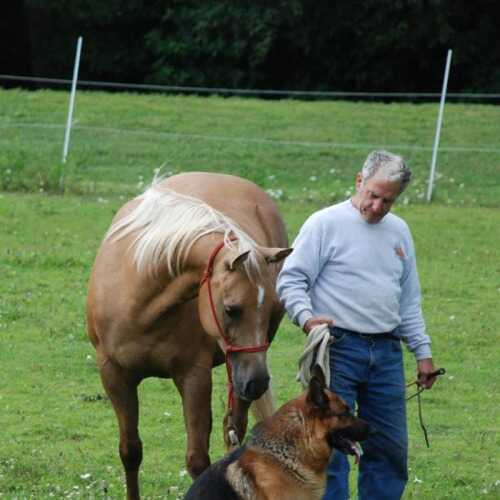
{"x":166,"y":224}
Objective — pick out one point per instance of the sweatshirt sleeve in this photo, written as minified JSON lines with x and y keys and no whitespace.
{"x":412,"y":327}
{"x":300,"y":271}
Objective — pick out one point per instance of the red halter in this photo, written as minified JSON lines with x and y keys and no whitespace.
{"x":228,"y":346}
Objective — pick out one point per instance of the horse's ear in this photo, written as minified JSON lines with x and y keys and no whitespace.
{"x":275,"y":254}
{"x":239,"y":260}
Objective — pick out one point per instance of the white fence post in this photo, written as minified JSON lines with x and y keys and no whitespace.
{"x":438,"y":127}
{"x":72,"y":100}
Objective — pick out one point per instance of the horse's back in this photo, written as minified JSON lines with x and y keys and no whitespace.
{"x":240,"y":199}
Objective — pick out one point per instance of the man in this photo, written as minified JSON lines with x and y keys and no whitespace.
{"x":353,"y":268}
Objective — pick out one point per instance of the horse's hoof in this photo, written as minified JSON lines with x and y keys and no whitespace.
{"x":233,"y":438}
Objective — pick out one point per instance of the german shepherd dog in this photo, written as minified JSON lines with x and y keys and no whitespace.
{"x":287,"y":454}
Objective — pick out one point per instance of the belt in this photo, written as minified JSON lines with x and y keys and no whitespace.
{"x":367,"y":336}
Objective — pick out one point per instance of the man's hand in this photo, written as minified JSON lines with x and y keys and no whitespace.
{"x":315,"y":321}
{"x":424,"y":367}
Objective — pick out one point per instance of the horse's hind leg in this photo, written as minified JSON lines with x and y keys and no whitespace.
{"x":195,"y":388}
{"x":122,"y":391}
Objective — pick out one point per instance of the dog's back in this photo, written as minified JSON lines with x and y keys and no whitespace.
{"x":212,"y":484}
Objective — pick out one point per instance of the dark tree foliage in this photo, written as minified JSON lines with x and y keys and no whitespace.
{"x":360,"y":45}
{"x":351,"y":45}
{"x":219,"y":43}
{"x":113,"y":33}
{"x":15,"y":56}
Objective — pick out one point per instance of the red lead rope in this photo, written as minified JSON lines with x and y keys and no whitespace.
{"x":228,"y":347}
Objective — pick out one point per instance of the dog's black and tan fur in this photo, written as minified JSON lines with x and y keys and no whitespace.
{"x":287,"y":454}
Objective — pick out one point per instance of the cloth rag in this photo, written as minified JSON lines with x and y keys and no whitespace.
{"x":315,"y":351}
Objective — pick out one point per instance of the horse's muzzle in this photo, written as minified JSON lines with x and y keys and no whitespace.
{"x":250,"y":377}
{"x":255,"y":388}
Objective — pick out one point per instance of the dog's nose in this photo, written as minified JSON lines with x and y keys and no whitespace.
{"x":256,"y":387}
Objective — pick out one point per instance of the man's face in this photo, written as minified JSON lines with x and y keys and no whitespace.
{"x":375,"y":197}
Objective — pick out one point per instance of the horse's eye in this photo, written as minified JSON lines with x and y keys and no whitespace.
{"x":233,"y":312}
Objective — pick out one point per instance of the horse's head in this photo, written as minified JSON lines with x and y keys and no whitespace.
{"x":235,"y":306}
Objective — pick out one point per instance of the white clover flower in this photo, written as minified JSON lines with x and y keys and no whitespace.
{"x":275,"y":193}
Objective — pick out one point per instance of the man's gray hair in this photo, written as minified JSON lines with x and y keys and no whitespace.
{"x":392,"y":167}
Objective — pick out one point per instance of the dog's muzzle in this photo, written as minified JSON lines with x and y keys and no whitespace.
{"x":346,"y":440}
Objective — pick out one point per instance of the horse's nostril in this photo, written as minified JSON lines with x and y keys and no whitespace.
{"x":256,"y":387}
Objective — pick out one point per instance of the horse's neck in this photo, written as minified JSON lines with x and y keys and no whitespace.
{"x":157,"y":295}
{"x":199,"y":254}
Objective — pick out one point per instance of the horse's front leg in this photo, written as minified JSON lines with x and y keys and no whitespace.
{"x":235,"y":423}
{"x":195,"y":388}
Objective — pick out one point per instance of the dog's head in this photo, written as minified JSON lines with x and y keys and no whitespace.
{"x":332,"y":417}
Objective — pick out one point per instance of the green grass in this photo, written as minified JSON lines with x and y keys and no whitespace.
{"x":308,"y":150}
{"x":59,"y":435}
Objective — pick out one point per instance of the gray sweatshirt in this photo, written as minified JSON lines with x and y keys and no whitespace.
{"x":363,"y":276}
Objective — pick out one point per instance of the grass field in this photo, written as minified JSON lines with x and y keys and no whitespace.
{"x":59,"y":436}
{"x":300,"y":150}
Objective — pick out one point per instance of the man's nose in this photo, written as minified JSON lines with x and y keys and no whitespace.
{"x":377,"y":206}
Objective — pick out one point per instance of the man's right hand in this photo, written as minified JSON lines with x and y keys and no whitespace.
{"x":315,"y":321}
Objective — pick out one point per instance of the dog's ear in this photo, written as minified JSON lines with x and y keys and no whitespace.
{"x":317,"y":372}
{"x":316,"y":392}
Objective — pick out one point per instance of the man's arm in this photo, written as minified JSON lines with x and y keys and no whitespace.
{"x":299,"y":274}
{"x":412,"y":327}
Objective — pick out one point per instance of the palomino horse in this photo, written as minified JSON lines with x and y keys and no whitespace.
{"x":184,"y":276}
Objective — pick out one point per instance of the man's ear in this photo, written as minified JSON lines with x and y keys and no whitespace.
{"x":316,"y":391}
{"x":359,"y":181}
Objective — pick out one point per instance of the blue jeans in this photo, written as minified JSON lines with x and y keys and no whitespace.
{"x":369,"y":372}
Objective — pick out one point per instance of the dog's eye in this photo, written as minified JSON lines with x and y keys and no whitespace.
{"x":233,"y":311}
